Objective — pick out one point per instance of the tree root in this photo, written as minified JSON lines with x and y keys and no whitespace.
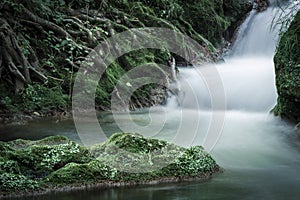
{"x":13,"y":59}
{"x":83,"y":30}
{"x":45,"y":23}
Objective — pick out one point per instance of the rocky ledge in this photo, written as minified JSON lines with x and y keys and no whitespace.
{"x":58,"y":164}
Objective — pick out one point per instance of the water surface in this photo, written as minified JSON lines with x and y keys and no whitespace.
{"x":260,"y":153}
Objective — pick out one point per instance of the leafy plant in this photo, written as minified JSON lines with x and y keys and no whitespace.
{"x":16,"y":182}
{"x":9,"y":166}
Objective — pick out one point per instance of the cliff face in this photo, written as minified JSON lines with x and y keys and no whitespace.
{"x":287,"y":69}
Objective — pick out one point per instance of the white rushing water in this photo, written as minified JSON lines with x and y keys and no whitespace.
{"x":260,"y":153}
{"x":247,"y":79}
{"x":230,"y":101}
{"x":249,"y":133}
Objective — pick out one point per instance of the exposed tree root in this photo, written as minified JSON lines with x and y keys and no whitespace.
{"x":20,"y":68}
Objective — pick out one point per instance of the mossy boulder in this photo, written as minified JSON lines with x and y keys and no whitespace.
{"x":136,"y":143}
{"x":287,"y":69}
{"x":142,"y":158}
{"x":131,"y":157}
{"x":91,"y":172}
{"x":10,"y":182}
{"x":194,"y":161}
{"x":39,"y":158}
{"x":132,"y":153}
{"x":124,"y":157}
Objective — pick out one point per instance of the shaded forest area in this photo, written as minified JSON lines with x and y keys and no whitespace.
{"x":44,"y":42}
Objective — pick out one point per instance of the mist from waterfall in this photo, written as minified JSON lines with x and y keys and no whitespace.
{"x":248,"y":82}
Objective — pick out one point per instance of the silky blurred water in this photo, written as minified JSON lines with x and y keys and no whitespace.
{"x":260,"y":153}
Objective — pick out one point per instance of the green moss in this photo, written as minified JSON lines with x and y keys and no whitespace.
{"x":90,"y":172}
{"x":192,"y":162}
{"x":51,"y":140}
{"x":135,"y":143}
{"x":136,"y":156}
{"x":287,"y":62}
{"x":55,"y":161}
{"x":118,"y":69}
{"x":39,"y":158}
{"x":135,"y":166}
{"x":34,"y":97}
{"x":9,"y":166}
{"x":15,"y":182}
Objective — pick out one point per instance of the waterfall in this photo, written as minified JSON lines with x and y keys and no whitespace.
{"x":240,"y":89}
{"x":173,"y":68}
{"x":247,"y":73}
{"x":256,"y":36}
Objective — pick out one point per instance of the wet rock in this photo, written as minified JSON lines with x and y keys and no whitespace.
{"x":56,"y":162}
{"x":261,"y":5}
{"x":287,"y":69}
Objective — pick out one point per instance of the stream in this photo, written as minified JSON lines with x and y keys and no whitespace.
{"x":260,"y":153}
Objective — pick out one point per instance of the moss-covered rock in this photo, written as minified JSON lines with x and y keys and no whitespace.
{"x":39,"y":158}
{"x":10,"y":182}
{"x":132,"y":153}
{"x":91,"y":172}
{"x":135,"y":143}
{"x":137,"y":157}
{"x":287,"y":69}
{"x":124,"y":157}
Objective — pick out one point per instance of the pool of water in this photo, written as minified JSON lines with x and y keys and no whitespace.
{"x":260,"y":153}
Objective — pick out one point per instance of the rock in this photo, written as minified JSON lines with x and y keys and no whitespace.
{"x":287,"y":69}
{"x":128,"y":158}
{"x":261,"y":5}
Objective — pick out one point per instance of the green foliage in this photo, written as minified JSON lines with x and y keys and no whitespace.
{"x":15,"y":182}
{"x":8,"y":103}
{"x":235,"y":10}
{"x":82,"y":173}
{"x":9,"y":166}
{"x":139,"y":158}
{"x":24,"y":44}
{"x":5,"y":149}
{"x":212,"y":18}
{"x":42,"y":159}
{"x":12,"y":4}
{"x":117,"y":69}
{"x":192,"y":162}
{"x":60,"y":57}
{"x":287,"y":70}
{"x":39,"y":158}
{"x":56,"y":161}
{"x":136,"y":143}
{"x":35,"y":97}
{"x":130,"y":152}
